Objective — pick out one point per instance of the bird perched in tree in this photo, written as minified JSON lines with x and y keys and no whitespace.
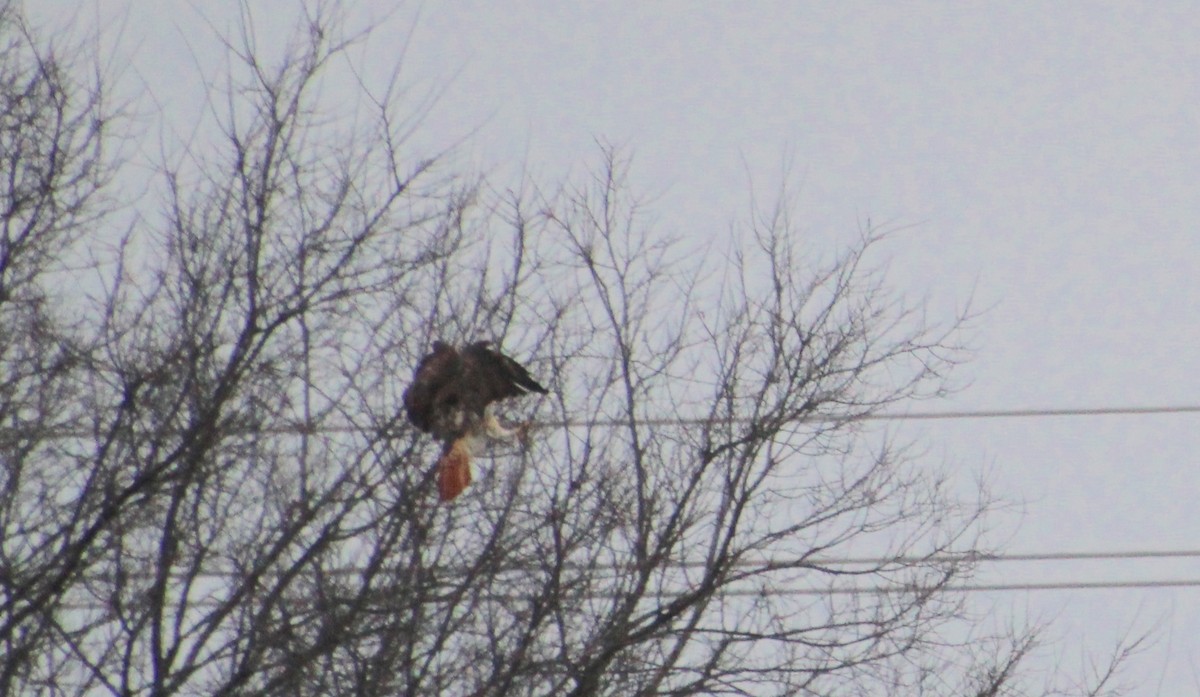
{"x":451,"y":397}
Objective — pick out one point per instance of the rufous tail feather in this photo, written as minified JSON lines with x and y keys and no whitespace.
{"x":454,"y":470}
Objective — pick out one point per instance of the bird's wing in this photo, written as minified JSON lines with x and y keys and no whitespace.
{"x":435,"y":372}
{"x":490,"y":376}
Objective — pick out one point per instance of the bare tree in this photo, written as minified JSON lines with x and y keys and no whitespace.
{"x":207,"y":489}
{"x":52,"y":130}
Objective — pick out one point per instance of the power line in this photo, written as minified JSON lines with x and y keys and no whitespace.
{"x":909,"y":416}
{"x":1024,"y":413}
{"x":1013,"y":557}
{"x":973,"y":587}
{"x":666,"y":597}
{"x":770,"y":564}
{"x":800,"y":563}
{"x":1028,"y":412}
{"x":908,"y":559}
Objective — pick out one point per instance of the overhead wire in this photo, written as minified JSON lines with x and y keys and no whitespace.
{"x":907,"y":416}
{"x":1024,"y":412}
{"x":898,"y":589}
{"x":970,"y":587}
{"x":1011,"y":557}
{"x":951,"y":415}
{"x":899,"y":416}
{"x":772,"y":564}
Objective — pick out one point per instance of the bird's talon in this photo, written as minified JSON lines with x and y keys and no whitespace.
{"x":523,"y":430}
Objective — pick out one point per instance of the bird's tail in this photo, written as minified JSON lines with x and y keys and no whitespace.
{"x":454,"y":470}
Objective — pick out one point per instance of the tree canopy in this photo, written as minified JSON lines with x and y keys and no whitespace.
{"x":208,"y":486}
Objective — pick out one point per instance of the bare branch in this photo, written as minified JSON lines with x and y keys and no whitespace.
{"x":208,"y":489}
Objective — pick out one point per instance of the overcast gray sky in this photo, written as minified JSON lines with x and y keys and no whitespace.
{"x":1045,"y":154}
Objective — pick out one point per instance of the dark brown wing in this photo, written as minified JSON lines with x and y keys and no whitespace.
{"x":434,"y":374}
{"x":488,"y":376}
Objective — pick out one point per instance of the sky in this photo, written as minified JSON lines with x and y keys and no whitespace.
{"x":1041,"y":159}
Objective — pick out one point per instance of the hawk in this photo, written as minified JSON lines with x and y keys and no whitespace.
{"x":451,"y":397}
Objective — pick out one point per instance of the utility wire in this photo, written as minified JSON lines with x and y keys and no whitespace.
{"x":766,"y":565}
{"x":1024,"y":413}
{"x":970,"y":587}
{"x":666,"y":597}
{"x":1007,"y":557}
{"x":909,"y":416}
{"x":801,"y":563}
{"x":886,"y":416}
{"x":297,"y":428}
{"x":833,"y":418}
